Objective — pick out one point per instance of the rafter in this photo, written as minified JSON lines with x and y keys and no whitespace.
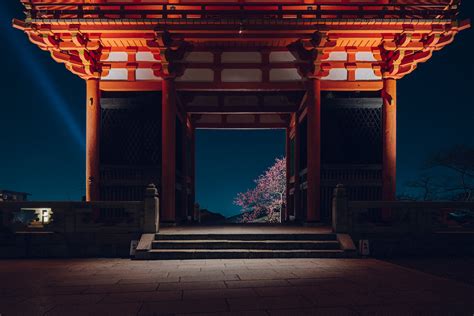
{"x":168,"y":51}
{"x":397,"y":45}
{"x":402,"y":55}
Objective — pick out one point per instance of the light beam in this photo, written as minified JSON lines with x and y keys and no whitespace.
{"x":43,"y":80}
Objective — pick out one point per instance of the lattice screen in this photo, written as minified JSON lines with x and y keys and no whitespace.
{"x":131,"y":136}
{"x":130,"y":144}
{"x":121,"y":137}
{"x":351,"y":134}
{"x":152,"y":138}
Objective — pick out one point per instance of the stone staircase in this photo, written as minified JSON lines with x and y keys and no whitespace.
{"x":233,"y":246}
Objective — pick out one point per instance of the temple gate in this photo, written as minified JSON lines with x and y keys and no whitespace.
{"x":325,"y":71}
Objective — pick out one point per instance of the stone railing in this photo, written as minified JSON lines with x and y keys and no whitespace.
{"x":83,"y":217}
{"x":405,"y":216}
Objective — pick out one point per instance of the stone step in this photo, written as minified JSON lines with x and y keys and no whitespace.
{"x":175,"y":254}
{"x":182,"y":245}
{"x":247,"y":244}
{"x":315,"y":237}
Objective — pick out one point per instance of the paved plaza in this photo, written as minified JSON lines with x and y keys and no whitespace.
{"x":226,"y":287}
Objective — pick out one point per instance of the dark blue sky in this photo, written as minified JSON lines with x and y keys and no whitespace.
{"x":227,"y":162}
{"x":42,"y":121}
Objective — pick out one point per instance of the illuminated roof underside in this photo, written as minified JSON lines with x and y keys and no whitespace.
{"x":248,"y":43}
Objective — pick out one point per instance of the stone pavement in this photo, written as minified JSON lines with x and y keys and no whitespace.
{"x":226,"y":287}
{"x":459,"y":268}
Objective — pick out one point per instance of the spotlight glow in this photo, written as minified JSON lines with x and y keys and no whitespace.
{"x":43,"y":80}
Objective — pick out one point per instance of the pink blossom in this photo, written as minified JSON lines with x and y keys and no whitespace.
{"x":267,"y":197}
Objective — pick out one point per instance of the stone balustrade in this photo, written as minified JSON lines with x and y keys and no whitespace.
{"x":406,"y":216}
{"x":83,"y":217}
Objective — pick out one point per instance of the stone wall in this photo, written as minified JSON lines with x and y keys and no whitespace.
{"x":66,"y":245}
{"x":412,"y":228}
{"x":76,"y":229}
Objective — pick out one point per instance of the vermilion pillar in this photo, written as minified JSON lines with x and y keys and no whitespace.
{"x":296,"y":211}
{"x":284,"y":216}
{"x":168,"y":143}
{"x":183,"y":212}
{"x":314,"y":151}
{"x":193,"y":171}
{"x":92,"y":139}
{"x":389,"y":124}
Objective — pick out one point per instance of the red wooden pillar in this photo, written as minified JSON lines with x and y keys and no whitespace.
{"x":185,"y":158}
{"x":193,"y":171}
{"x":92,"y":139}
{"x":284,"y":216}
{"x":296,"y":197}
{"x":313,"y":213}
{"x":168,"y":151}
{"x":389,"y":124}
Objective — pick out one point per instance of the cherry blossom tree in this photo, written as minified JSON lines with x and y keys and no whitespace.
{"x":268,"y":195}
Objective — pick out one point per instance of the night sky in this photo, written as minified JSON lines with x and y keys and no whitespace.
{"x":42,"y":123}
{"x":230,"y":167}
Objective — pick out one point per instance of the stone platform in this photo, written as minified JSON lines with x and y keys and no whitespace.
{"x":245,"y":229}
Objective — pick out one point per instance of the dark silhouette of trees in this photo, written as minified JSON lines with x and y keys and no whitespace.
{"x":447,"y":175}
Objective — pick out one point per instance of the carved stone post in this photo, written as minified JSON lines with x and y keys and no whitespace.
{"x":151,"y":223}
{"x":340,"y":212}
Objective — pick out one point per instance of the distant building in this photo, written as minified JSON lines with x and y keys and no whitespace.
{"x":7,"y":195}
